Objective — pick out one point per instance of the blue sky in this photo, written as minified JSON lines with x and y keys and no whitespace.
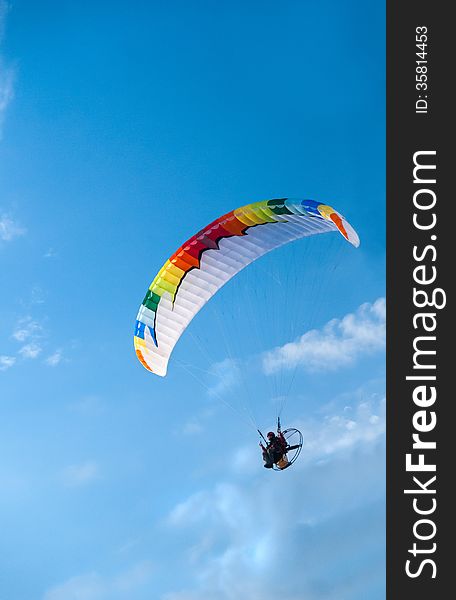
{"x":123,"y":130}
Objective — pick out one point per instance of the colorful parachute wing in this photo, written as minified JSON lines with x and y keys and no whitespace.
{"x":201,"y":266}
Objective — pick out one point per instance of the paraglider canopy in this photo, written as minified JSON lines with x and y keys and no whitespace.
{"x":205,"y":262}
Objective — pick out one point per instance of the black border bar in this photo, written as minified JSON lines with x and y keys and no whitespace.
{"x":409,"y":516}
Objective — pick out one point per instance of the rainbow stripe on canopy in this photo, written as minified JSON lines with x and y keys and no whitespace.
{"x":205,"y":262}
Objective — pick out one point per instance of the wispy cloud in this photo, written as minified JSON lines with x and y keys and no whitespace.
{"x":30,"y":331}
{"x":362,"y":424}
{"x":37,"y":295}
{"x":6,"y":89}
{"x":6,"y":362}
{"x":337,"y":345}
{"x":198,"y":423}
{"x":50,"y":253}
{"x":54,"y":359}
{"x":224,"y":376}
{"x":192,"y":427}
{"x":6,"y":72}
{"x":190,"y":511}
{"x":31,"y":334}
{"x":80,"y":475}
{"x":9,"y":228}
{"x":94,"y":586}
{"x":31,"y":350}
{"x":27,"y":329}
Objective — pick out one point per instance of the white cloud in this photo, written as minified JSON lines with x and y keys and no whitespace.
{"x":31,"y":332}
{"x":54,"y":359}
{"x":31,"y":350}
{"x":31,"y":335}
{"x":6,"y":362}
{"x":94,"y":586}
{"x":6,"y":88}
{"x":27,"y":329}
{"x":9,"y":229}
{"x":321,"y":523}
{"x":198,"y":423}
{"x":80,"y":475}
{"x":83,"y":587}
{"x":37,"y":295}
{"x":338,"y":344}
{"x":6,"y":75}
{"x":192,"y":427}
{"x":224,"y":375}
{"x":343,"y":432}
{"x":50,"y":253}
{"x":191,"y":510}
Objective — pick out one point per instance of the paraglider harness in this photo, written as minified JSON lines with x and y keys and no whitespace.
{"x":284,"y":449}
